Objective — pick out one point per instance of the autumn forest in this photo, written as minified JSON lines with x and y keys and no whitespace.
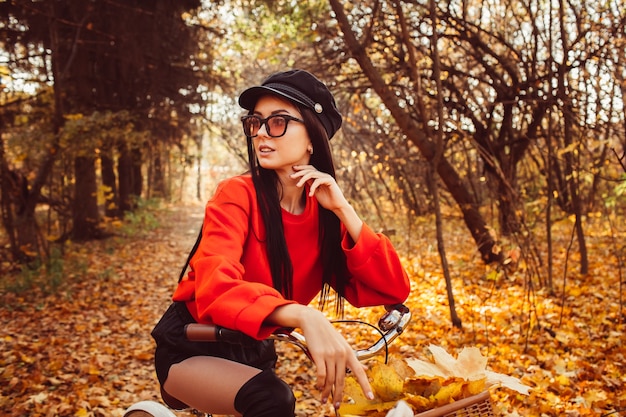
{"x":487,"y":139}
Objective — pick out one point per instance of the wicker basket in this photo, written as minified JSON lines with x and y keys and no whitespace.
{"x":478,"y":405}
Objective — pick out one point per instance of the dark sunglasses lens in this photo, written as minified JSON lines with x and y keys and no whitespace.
{"x":251,"y":125}
{"x":277,"y":125}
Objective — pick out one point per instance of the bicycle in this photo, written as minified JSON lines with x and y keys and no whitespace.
{"x":391,"y":324}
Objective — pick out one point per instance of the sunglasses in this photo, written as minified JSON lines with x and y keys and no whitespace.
{"x":275,"y":125}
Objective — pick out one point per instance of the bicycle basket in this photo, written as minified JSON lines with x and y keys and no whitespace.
{"x":478,"y":405}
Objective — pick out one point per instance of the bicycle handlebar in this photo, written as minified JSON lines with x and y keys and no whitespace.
{"x":391,"y":325}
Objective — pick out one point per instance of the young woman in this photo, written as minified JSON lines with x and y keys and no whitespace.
{"x":272,"y":240}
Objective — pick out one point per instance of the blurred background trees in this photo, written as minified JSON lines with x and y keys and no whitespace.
{"x":105,"y":103}
{"x":121,"y":82}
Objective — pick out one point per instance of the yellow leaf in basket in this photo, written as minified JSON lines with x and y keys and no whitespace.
{"x":354,"y":401}
{"x":386,"y":382}
{"x":450,"y":391}
{"x":424,"y":386}
{"x":349,"y":409}
{"x":419,"y":403}
{"x":474,"y":387}
{"x":383,"y":408}
{"x":401,"y":367}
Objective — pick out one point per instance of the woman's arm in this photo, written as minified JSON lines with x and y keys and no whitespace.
{"x":378,"y":276}
{"x":216,"y":289}
{"x":352,"y":222}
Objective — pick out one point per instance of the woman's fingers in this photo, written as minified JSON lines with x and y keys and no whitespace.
{"x":331,"y":367}
{"x":321,"y":185}
{"x":329,"y":382}
{"x":310,"y":174}
{"x":321,"y":380}
{"x":332,"y":356}
{"x":359,"y":373}
{"x":338,"y":385}
{"x":327,"y":370}
{"x":331,"y":376}
{"x":317,"y":182}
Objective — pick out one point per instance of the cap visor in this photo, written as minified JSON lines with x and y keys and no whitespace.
{"x":249,"y":97}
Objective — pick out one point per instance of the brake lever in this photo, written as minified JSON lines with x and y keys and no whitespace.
{"x":392,"y":324}
{"x":390,"y":319}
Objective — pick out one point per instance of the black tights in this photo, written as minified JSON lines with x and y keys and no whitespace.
{"x":265,"y":395}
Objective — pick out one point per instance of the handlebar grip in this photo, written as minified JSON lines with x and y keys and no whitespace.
{"x":197,"y":332}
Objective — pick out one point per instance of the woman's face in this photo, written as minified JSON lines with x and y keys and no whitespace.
{"x":281,"y":153}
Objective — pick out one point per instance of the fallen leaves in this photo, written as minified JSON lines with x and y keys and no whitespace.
{"x":86,"y":351}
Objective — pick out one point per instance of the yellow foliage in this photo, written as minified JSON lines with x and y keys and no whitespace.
{"x":386,"y":382}
{"x":354,"y":401}
{"x":450,"y":391}
{"x":474,"y":387}
{"x":396,"y":381}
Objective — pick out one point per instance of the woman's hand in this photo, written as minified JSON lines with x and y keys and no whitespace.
{"x":332,"y":356}
{"x":330,"y":351}
{"x":325,"y":189}
{"x":321,"y":185}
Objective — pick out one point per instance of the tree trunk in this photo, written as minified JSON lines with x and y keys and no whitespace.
{"x":7,"y":192}
{"x":111,"y":206}
{"x":432,"y":180}
{"x":568,"y":135}
{"x":549,"y":204}
{"x":509,"y":223}
{"x":18,"y":215}
{"x":199,"y":142}
{"x":85,"y":215}
{"x":124,"y":175}
{"x":158,"y":183}
{"x":137,"y":175}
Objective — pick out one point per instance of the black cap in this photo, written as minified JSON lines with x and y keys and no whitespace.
{"x":300,"y":87}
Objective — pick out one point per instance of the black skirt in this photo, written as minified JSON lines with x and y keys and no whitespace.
{"x":173,"y":347}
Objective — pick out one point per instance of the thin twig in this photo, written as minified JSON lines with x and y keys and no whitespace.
{"x":569,"y":248}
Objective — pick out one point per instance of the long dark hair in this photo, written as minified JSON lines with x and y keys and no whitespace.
{"x":267,"y":185}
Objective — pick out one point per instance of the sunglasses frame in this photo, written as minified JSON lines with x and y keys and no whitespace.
{"x":287,"y":117}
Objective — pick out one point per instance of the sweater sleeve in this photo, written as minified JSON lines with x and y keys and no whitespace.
{"x":216,"y":283}
{"x":378,"y":277}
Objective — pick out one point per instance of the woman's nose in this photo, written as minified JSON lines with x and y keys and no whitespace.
{"x":264,"y":128}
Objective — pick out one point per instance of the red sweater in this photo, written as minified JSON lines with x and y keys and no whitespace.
{"x":230,"y":283}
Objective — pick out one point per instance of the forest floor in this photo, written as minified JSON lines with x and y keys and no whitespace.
{"x":85,"y":349}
